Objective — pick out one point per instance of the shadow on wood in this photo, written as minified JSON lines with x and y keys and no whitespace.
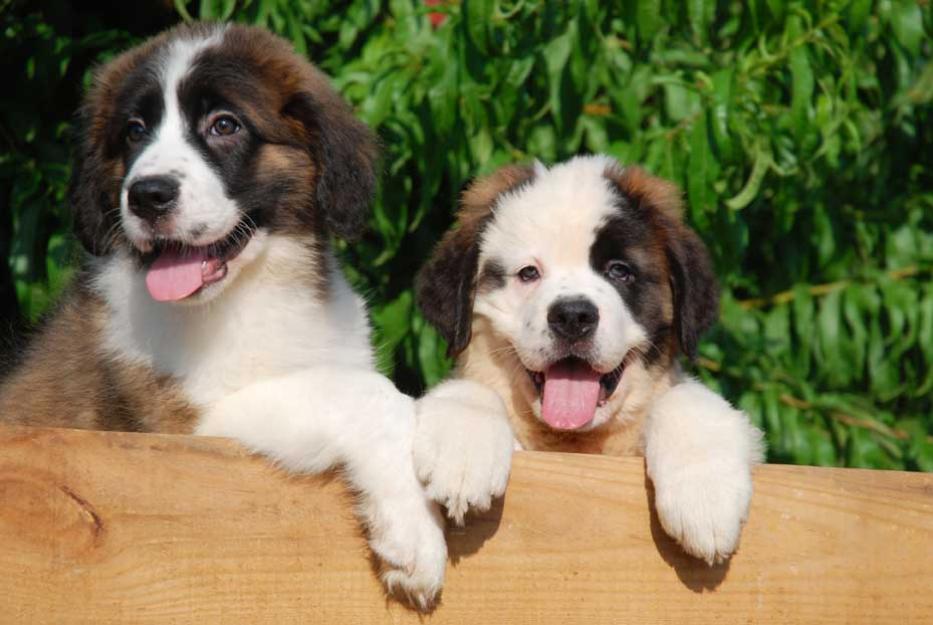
{"x":695,"y":574}
{"x":114,"y":528}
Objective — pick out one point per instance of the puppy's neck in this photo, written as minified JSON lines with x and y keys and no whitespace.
{"x":289,"y":308}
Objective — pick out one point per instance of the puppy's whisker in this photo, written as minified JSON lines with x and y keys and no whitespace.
{"x":506,"y":349}
{"x":110,"y":238}
{"x":249,"y":222}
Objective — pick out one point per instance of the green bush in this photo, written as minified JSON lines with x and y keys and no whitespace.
{"x":801,"y":133}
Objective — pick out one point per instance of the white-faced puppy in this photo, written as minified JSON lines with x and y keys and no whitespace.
{"x":569,"y":292}
{"x":214,"y":166}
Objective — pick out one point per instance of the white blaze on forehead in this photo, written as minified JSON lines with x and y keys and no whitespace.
{"x":557,"y":214}
{"x":204,"y":212}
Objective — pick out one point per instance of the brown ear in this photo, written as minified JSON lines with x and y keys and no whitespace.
{"x":692,"y":280}
{"x":444,"y":287}
{"x":96,"y":176}
{"x":94,"y":185}
{"x":695,"y":288}
{"x":94,"y":209}
{"x":344,"y":151}
{"x":446,"y":284}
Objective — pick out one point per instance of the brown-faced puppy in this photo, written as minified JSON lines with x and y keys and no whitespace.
{"x":214,"y":166}
{"x":566,"y":295}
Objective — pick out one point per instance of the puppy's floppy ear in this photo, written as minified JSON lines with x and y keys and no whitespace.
{"x":444,"y":287}
{"x":446,"y":284}
{"x":692,"y":280}
{"x":92,"y":192}
{"x":344,"y":152}
{"x":696,"y":291}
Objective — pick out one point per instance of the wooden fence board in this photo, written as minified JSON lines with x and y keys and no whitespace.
{"x":136,"y":529}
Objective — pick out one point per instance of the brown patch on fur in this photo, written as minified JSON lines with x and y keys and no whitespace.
{"x":66,"y":380}
{"x":662,"y":195}
{"x":295,"y":105}
{"x":481,"y":196}
{"x":275,"y":162}
{"x":280,"y":160}
{"x":446,"y":284}
{"x":695,"y":290}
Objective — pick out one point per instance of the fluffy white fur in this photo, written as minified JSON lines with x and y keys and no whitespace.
{"x":699,"y":453}
{"x":310,"y":398}
{"x":363,"y":424}
{"x":212,"y":348}
{"x":463,"y":446}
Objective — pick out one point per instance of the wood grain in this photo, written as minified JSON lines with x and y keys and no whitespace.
{"x":136,"y":529}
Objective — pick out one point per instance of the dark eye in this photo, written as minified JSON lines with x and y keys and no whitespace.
{"x":224,"y":126}
{"x":528,"y":274}
{"x":135,"y":130}
{"x":619,"y":271}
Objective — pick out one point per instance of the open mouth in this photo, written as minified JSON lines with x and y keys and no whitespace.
{"x":571,"y":391}
{"x":176,"y":270}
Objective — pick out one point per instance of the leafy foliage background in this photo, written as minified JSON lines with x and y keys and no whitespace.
{"x":800,"y":131}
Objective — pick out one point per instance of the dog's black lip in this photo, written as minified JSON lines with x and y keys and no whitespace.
{"x":226,"y":248}
{"x":608,"y":381}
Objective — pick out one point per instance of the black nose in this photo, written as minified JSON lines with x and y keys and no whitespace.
{"x":573,"y":318}
{"x":153,"y":196}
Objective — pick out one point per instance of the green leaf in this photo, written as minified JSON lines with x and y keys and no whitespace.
{"x":920,"y":445}
{"x":680,"y":101}
{"x":925,"y":340}
{"x":700,"y":13}
{"x":556,"y":54}
{"x":431,"y":357}
{"x":907,"y":24}
{"x":698,"y":189}
{"x":477,"y":15}
{"x":392,"y":323}
{"x":760,"y":167}
{"x":802,"y":85}
{"x":648,"y":18}
{"x":803,"y":326}
{"x":182,"y":8}
{"x":722,"y":104}
{"x":858,"y":12}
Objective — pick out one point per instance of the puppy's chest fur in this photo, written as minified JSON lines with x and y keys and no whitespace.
{"x":111,"y":358}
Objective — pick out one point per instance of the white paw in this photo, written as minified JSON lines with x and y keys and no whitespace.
{"x":704,"y":506}
{"x":462,"y":453}
{"x":411,"y":545}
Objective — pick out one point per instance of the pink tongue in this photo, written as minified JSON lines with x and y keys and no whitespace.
{"x":571,"y":391}
{"x":175,"y":275}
